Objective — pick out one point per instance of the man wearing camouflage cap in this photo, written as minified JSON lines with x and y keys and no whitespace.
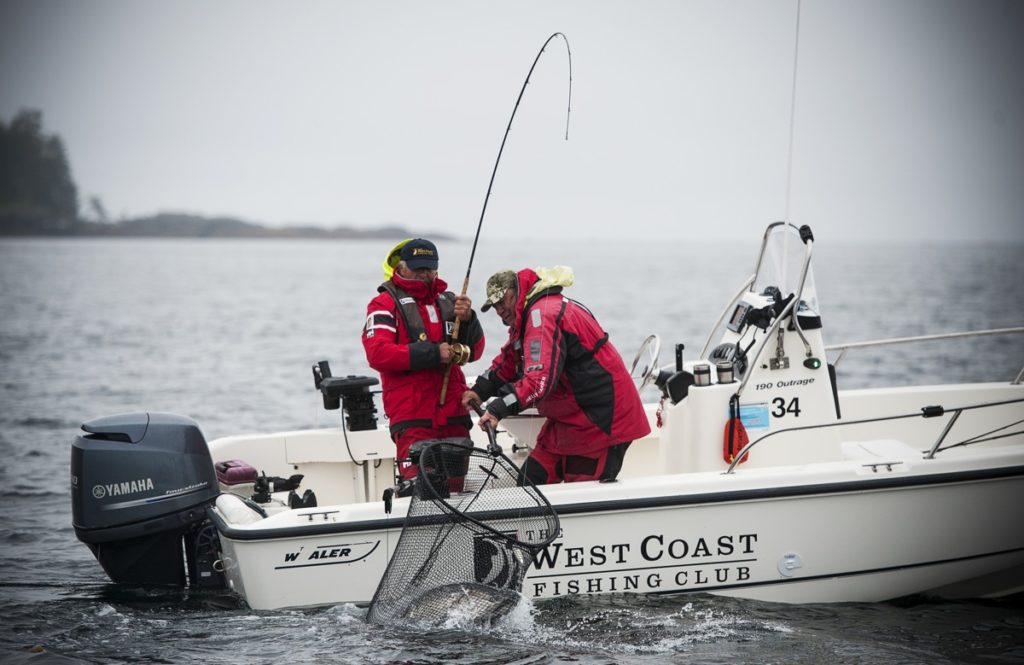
{"x":558,"y":359}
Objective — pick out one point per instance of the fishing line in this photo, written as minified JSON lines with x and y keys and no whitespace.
{"x":789,"y":152}
{"x":792,"y":114}
{"x":494,"y":172}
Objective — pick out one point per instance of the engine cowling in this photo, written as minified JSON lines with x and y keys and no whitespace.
{"x":140,"y":485}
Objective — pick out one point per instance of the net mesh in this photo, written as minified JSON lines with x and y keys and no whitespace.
{"x":468,"y":540}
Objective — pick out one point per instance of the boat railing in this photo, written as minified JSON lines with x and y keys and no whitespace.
{"x":843,"y":348}
{"x":926,"y":412}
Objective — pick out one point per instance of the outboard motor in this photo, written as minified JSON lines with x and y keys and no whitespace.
{"x":140,"y":484}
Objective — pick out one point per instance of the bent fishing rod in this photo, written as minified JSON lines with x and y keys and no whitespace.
{"x":462,"y":353}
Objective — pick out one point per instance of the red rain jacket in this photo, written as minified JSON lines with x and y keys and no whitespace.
{"x":559,"y":360}
{"x":411,"y":372}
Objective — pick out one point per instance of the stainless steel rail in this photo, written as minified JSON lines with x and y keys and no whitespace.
{"x":926,"y":412}
{"x":789,"y":311}
{"x":843,"y":348}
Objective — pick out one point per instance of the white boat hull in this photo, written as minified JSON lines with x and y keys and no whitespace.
{"x":862,"y":495}
{"x":856,"y":533}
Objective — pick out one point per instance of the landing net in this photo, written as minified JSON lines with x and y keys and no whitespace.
{"x":469,"y":538}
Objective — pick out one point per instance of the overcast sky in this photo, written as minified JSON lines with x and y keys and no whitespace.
{"x":908,"y":121}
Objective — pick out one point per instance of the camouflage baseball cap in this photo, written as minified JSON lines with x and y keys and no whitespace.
{"x":497,"y":285}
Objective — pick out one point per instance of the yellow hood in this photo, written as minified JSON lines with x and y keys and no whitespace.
{"x":392,"y":259}
{"x":550,"y":277}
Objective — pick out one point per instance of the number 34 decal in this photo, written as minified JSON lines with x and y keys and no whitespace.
{"x":781,"y":408}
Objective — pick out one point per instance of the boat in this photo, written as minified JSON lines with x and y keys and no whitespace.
{"x":762,"y":478}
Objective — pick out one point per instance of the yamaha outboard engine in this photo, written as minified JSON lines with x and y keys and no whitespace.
{"x":140,"y":484}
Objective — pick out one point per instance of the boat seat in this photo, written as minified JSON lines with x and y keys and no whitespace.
{"x":238,"y":510}
{"x":235,"y":472}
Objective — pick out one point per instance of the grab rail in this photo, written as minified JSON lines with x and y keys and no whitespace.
{"x":790,"y":311}
{"x":843,"y":348}
{"x":926,"y":412}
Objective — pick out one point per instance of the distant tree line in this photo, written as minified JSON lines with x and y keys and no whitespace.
{"x":37,"y":193}
{"x":39,"y":197}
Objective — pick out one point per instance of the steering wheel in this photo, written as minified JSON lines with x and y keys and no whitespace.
{"x":647,"y":360}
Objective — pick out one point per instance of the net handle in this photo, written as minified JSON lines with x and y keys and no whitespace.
{"x":492,"y":434}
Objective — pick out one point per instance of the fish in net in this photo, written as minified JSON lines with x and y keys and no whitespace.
{"x":468,"y":539}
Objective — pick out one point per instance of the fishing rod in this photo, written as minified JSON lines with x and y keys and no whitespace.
{"x":463,"y":354}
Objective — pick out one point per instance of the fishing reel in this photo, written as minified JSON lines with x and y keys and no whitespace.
{"x":460,"y":353}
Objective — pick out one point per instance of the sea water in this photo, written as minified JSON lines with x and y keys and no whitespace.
{"x":225,"y":331}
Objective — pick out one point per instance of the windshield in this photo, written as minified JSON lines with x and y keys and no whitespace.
{"x":781,"y":265}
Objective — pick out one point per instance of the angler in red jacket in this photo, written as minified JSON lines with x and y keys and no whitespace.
{"x":408,"y":340}
{"x":559,"y":360}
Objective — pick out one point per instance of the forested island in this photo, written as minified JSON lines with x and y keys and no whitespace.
{"x":38,"y":197}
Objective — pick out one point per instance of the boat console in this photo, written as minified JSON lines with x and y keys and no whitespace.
{"x":763,"y":364}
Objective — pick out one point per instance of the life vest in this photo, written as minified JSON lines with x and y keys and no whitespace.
{"x":410,"y":312}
